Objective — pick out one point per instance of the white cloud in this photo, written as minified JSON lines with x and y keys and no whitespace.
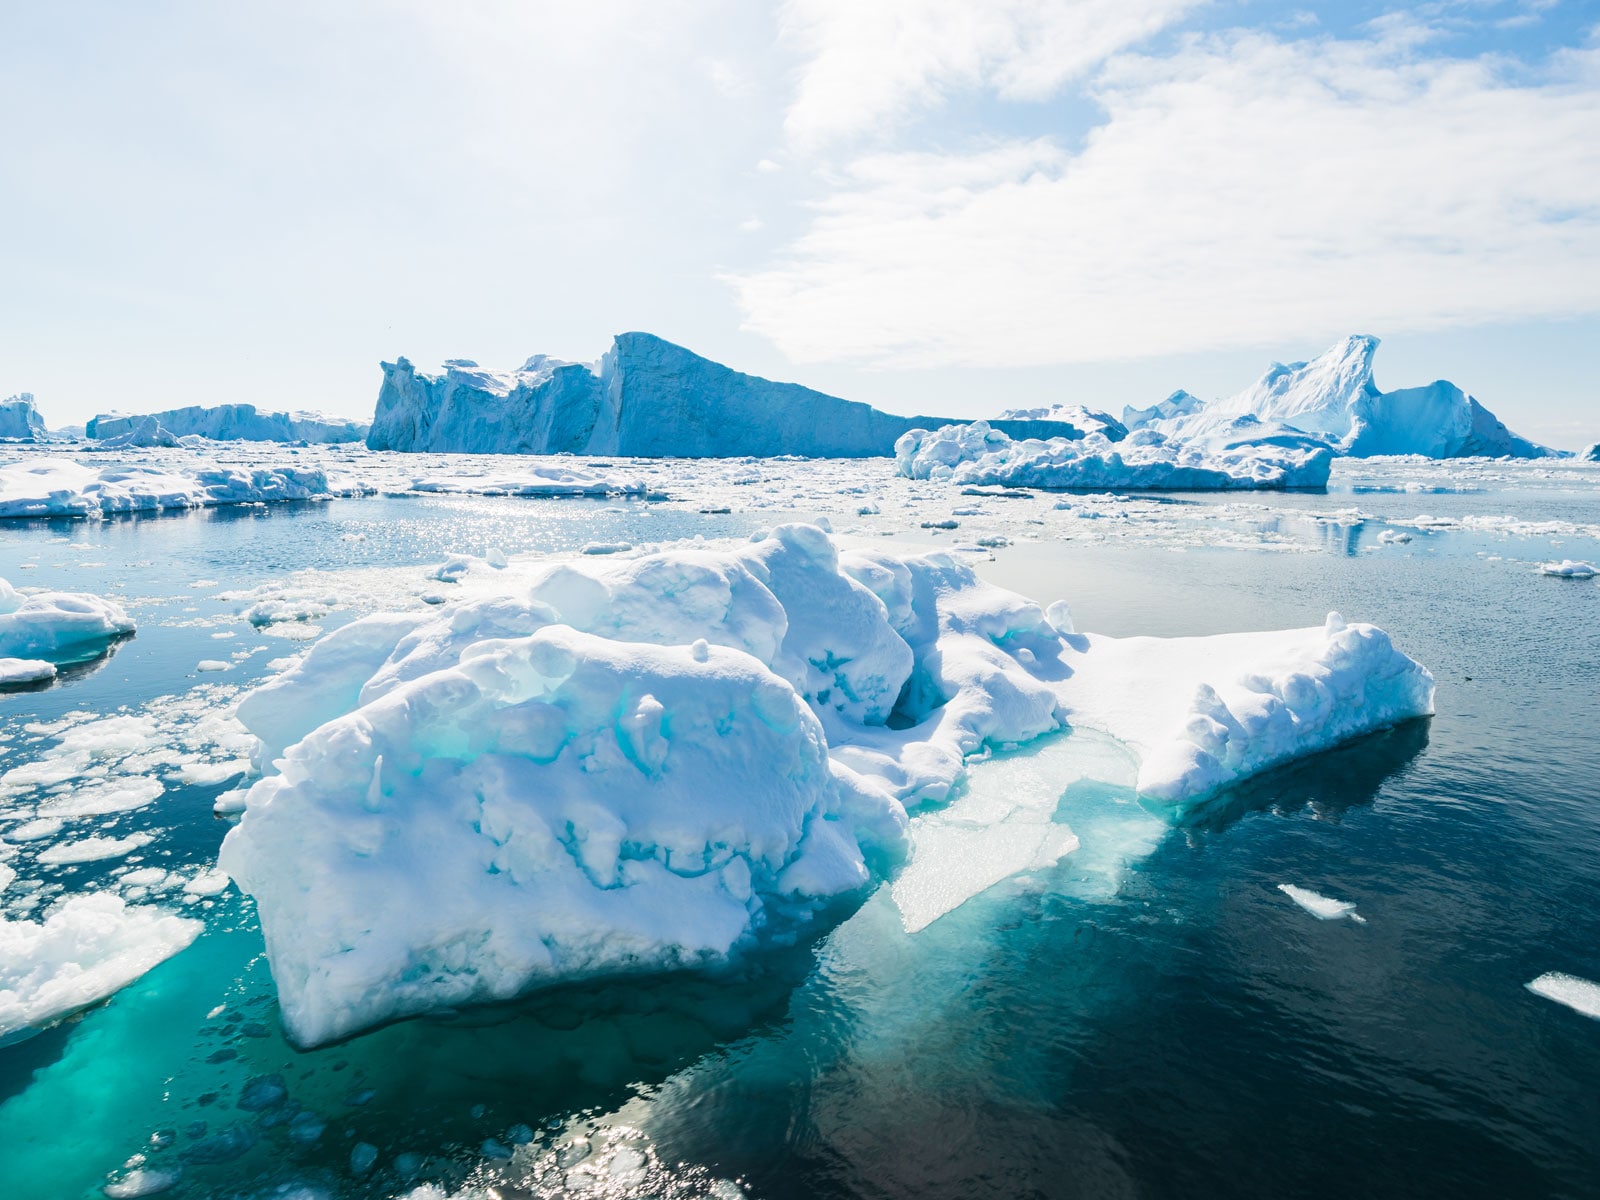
{"x":868,"y":61}
{"x":1242,"y":191}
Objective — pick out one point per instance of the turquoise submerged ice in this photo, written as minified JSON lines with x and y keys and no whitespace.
{"x":581,"y":769}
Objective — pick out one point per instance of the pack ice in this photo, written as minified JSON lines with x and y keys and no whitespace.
{"x":595,"y":767}
{"x":646,"y":397}
{"x":1243,"y":457}
{"x":226,"y":423}
{"x":1334,"y":397}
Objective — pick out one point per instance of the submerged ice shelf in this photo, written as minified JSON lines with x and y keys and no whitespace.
{"x":573,"y":747}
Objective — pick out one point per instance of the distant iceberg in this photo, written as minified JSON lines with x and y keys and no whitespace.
{"x":611,"y":765}
{"x":227,"y":423}
{"x":645,"y":398}
{"x":59,"y":487}
{"x":1590,"y":453}
{"x":1241,"y":456}
{"x":1334,"y":397}
{"x":20,"y":420}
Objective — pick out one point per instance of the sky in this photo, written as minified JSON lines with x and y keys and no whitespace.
{"x":936,"y":207}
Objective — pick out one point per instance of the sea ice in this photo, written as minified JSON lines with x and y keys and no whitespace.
{"x":600,"y":765}
{"x":25,"y":670}
{"x":1324,"y":908}
{"x":59,"y":487}
{"x":978,"y":454}
{"x":88,"y":947}
{"x":91,"y":849}
{"x":1580,"y":995}
{"x":48,"y":625}
{"x":1568,"y":569}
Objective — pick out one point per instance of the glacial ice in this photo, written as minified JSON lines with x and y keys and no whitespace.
{"x":596,"y":766}
{"x":1324,"y":908}
{"x":1580,"y":995}
{"x":978,"y":454}
{"x":645,"y":398}
{"x":88,"y":947}
{"x":58,"y":487}
{"x":228,"y":422}
{"x":1334,"y":397}
{"x":52,"y":625}
{"x":20,"y":420}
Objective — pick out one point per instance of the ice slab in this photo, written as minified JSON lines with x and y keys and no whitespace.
{"x":1580,"y":995}
{"x":1324,"y":908}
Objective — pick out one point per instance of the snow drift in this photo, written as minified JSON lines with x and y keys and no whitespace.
{"x":592,"y":767}
{"x":232,"y":422}
{"x":645,"y":398}
{"x":1334,"y":397}
{"x":1240,"y":458}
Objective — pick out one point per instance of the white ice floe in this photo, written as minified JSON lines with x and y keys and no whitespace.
{"x":1568,"y":569}
{"x":59,"y":487}
{"x":1580,"y":995}
{"x":87,"y":948}
{"x":978,"y":454}
{"x":1324,"y":908}
{"x":48,"y":625}
{"x":536,"y":479}
{"x":25,"y":670}
{"x":91,"y":849}
{"x":605,"y":765}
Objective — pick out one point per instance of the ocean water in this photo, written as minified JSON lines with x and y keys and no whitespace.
{"x":1155,"y":1018}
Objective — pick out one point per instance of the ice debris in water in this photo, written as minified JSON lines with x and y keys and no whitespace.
{"x":1324,"y":908}
{"x":1580,"y":995}
{"x":605,"y":765}
{"x":46,"y":625}
{"x":142,"y":1181}
{"x":1568,"y":569}
{"x":88,"y":947}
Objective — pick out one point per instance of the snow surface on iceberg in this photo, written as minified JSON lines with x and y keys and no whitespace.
{"x":87,"y":948}
{"x":20,"y":420}
{"x":59,"y":487}
{"x":645,"y":398}
{"x":977,"y":454}
{"x":231,"y":422}
{"x":50,"y":625}
{"x":599,"y":766}
{"x":1334,"y":397}
{"x":1089,"y":420}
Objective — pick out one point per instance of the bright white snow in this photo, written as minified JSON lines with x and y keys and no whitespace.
{"x":641,"y":763}
{"x":48,"y":625}
{"x":87,"y":948}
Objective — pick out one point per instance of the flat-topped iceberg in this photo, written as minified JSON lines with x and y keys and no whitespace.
{"x":1335,"y":397}
{"x":20,"y":420}
{"x":231,"y":422}
{"x":645,"y":398}
{"x":1241,"y":457}
{"x":602,"y":766}
{"x":59,"y":487}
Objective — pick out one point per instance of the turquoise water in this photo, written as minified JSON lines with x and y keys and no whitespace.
{"x":1160,"y":1021}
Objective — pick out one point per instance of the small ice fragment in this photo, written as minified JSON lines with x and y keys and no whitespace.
{"x":306,"y":1127}
{"x":1579,"y":995}
{"x":607,"y":548}
{"x":495,"y":557}
{"x":1324,"y":908}
{"x":493,"y":1149}
{"x":572,"y":1153}
{"x":142,"y":1181}
{"x":408,"y":1165}
{"x":1568,"y":569}
{"x":519,"y":1135}
{"x":1059,"y":615}
{"x":213,"y":664}
{"x":627,"y":1164}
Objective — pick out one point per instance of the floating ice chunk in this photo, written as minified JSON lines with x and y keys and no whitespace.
{"x":143,"y":1181}
{"x":1568,"y":569}
{"x":213,"y":664}
{"x":87,"y":948}
{"x":92,"y":849}
{"x":1580,"y":995}
{"x":36,"y":830}
{"x":25,"y":670}
{"x":58,"y":487}
{"x":1396,"y":537}
{"x":1324,"y":908}
{"x":49,"y":625}
{"x":607,"y":548}
{"x":211,"y":883}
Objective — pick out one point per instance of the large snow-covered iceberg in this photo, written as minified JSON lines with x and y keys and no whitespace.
{"x":1334,"y":397}
{"x":232,"y":422}
{"x":20,"y":420}
{"x":59,"y":487}
{"x":596,"y":767}
{"x":646,"y":397}
{"x":1239,"y":457}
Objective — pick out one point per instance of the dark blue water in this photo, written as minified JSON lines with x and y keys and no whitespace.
{"x":1187,"y":1032}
